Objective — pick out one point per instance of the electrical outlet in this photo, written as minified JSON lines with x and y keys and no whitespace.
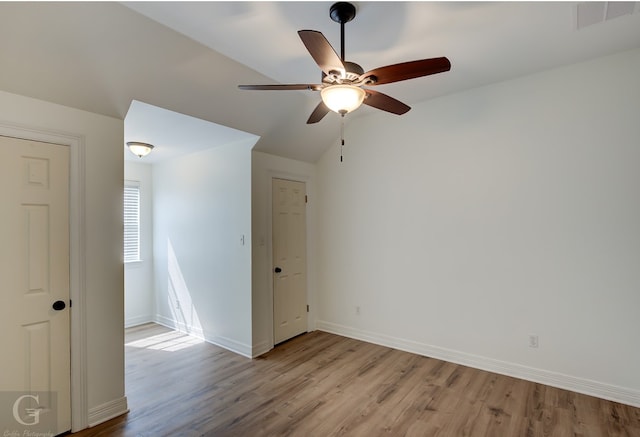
{"x":533,"y":341}
{"x":357,"y":310}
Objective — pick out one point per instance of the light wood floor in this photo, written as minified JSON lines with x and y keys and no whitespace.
{"x":321,"y":384}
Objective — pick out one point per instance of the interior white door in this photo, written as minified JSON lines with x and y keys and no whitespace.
{"x":290,"y":261}
{"x":34,"y":272}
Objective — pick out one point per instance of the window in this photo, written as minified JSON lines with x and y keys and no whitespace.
{"x":131,"y":221}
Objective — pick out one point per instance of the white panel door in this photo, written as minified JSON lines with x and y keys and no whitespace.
{"x":289,"y":258}
{"x":34,"y":274}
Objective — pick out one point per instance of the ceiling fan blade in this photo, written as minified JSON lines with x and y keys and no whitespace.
{"x":318,"y":113}
{"x":385,"y":102}
{"x":407,"y":70}
{"x":300,"y":86}
{"x":322,"y":52}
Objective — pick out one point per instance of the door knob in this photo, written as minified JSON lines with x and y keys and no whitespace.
{"x":278,"y":270}
{"x":59,"y":305}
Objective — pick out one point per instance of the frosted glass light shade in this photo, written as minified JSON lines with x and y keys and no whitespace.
{"x":342,"y":98}
{"x":139,"y":149}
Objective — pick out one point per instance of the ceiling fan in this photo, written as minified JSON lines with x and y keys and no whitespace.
{"x":342,"y":81}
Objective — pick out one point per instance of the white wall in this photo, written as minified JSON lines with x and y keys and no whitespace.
{"x":480,"y":218}
{"x":138,"y":276}
{"x":101,"y":139}
{"x":265,"y":167}
{"x":201,"y":210}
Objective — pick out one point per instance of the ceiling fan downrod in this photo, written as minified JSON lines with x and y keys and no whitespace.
{"x":342,"y":12}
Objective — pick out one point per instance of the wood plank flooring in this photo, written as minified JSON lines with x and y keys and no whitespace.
{"x":321,"y":384}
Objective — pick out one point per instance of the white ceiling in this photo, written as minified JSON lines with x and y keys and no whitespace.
{"x":173,"y":134}
{"x":189,"y":57}
{"x":486,"y":42}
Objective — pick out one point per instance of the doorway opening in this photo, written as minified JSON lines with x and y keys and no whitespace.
{"x":194,"y":203}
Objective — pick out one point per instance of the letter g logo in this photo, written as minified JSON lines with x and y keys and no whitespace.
{"x":31,"y":412}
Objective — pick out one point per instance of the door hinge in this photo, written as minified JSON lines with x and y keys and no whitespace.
{"x":306,"y":199}
{"x":70,"y":303}
{"x":307,"y":308}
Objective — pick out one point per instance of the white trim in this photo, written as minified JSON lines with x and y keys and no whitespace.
{"x":229,"y":344}
{"x":226,"y":343}
{"x":77,"y":238}
{"x":261,"y":348}
{"x":138,"y":320}
{"x":107,"y":411}
{"x":567,"y":382}
{"x":179,"y":326}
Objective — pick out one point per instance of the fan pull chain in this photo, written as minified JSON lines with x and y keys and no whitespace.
{"x":341,"y":135}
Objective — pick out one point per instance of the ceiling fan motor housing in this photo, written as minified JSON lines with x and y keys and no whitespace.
{"x":353,"y":72}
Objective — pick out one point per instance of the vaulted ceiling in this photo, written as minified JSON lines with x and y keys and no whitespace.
{"x":189,"y":57}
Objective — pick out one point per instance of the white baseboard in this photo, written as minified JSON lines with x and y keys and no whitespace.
{"x":107,"y":411}
{"x":179,"y":326}
{"x":261,"y":348}
{"x":226,"y":343}
{"x":567,"y":382}
{"x":232,"y":345}
{"x":138,"y":320}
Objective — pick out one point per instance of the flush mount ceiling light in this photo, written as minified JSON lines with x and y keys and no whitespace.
{"x":139,"y":149}
{"x":347,"y":79}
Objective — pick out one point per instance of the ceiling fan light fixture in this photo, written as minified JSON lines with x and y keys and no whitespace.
{"x":139,"y":149}
{"x":342,"y":80}
{"x":342,"y":98}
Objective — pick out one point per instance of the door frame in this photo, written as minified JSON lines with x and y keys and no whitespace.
{"x":77,"y":278}
{"x":310,"y":244}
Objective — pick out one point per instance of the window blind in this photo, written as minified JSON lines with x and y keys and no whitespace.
{"x":131,"y":223}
